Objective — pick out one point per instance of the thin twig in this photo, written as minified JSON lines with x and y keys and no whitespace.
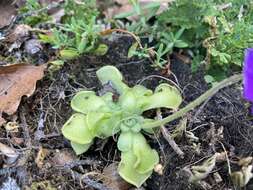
{"x":169,"y":139}
{"x":209,"y":93}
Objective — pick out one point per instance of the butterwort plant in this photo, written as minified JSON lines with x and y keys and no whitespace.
{"x":103,"y":116}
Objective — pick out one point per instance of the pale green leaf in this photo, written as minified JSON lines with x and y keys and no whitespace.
{"x":147,"y":158}
{"x":112,"y":74}
{"x":165,"y":96}
{"x":95,"y":120}
{"x":80,"y":148}
{"x":242,"y":177}
{"x":69,"y":53}
{"x":125,"y":141}
{"x":132,"y":50}
{"x":76,"y":129}
{"x":128,"y":172}
{"x":101,"y":50}
{"x":128,"y":101}
{"x":86,"y":101}
{"x":109,"y":127}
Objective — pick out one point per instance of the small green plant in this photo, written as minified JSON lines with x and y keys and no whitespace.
{"x":103,"y":116}
{"x":166,"y":40}
{"x":144,"y":14}
{"x":76,"y":36}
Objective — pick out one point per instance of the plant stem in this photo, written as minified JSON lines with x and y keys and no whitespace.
{"x":209,"y":93}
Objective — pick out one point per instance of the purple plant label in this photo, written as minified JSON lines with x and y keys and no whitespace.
{"x":248,"y":76}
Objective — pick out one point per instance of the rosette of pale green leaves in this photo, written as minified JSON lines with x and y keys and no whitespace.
{"x":102,"y":117}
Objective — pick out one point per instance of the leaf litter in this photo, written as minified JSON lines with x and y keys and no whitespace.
{"x":16,"y":81}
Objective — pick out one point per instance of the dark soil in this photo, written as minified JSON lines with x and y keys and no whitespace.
{"x":45,"y":112}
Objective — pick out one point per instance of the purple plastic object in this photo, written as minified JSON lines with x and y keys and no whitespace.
{"x":248,"y":76}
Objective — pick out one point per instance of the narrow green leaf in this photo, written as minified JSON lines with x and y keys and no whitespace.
{"x":69,"y":53}
{"x":101,"y":50}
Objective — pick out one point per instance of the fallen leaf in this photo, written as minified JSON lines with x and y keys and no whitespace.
{"x":16,"y":81}
{"x":7,"y":13}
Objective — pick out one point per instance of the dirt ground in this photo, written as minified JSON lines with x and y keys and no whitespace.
{"x":47,"y":160}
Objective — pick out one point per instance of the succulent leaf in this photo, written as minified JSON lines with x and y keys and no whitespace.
{"x":76,"y":129}
{"x":86,"y":101}
{"x":80,"y":148}
{"x":128,"y":172}
{"x":165,"y":96}
{"x":112,"y":74}
{"x":137,"y":158}
{"x":125,"y":141}
{"x":147,"y":158}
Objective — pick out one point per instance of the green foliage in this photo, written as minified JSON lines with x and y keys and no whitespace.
{"x":213,"y":33}
{"x":168,"y":41}
{"x":165,"y":39}
{"x":37,"y":11}
{"x":102,"y":117}
{"x":217,"y":36}
{"x":144,"y":14}
{"x":79,"y":32}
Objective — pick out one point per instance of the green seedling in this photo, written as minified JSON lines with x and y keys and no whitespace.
{"x":102,"y":117}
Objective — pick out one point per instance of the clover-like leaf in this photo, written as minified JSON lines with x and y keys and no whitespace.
{"x":80,"y":148}
{"x":86,"y":101}
{"x":165,"y":96}
{"x":128,"y":172}
{"x":76,"y":129}
{"x":112,"y":74}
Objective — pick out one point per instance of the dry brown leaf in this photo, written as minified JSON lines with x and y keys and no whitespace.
{"x":7,"y":13}
{"x":16,"y":81}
